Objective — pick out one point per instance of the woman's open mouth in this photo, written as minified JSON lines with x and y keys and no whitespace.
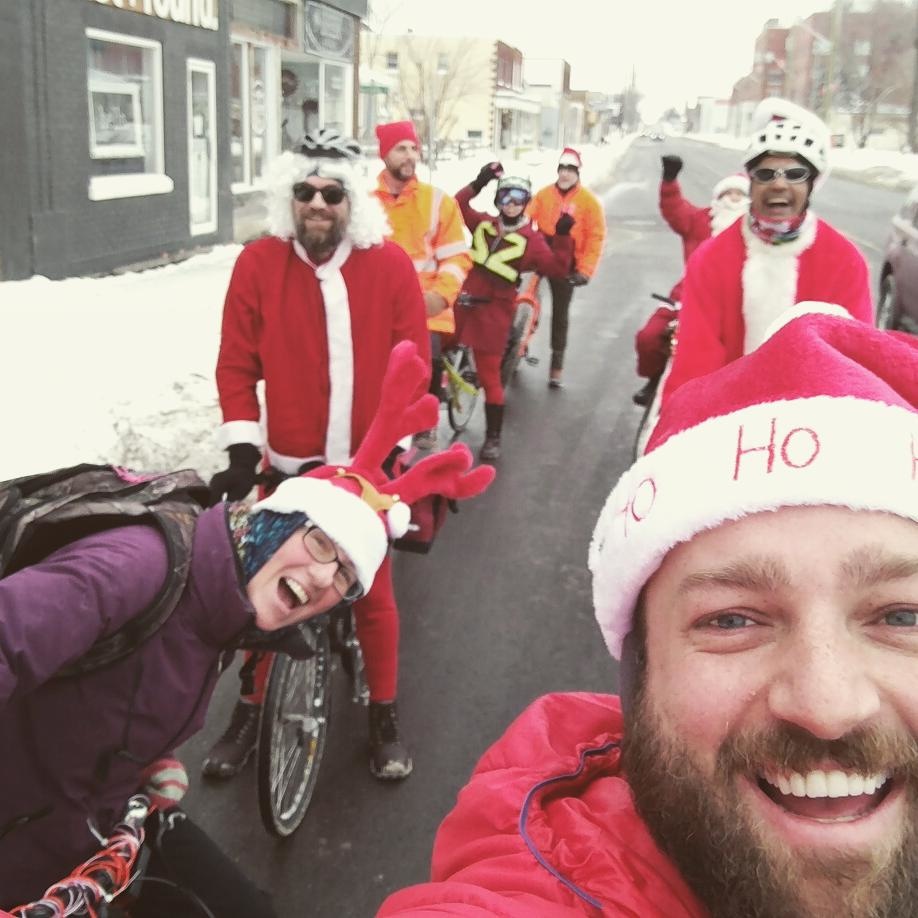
{"x":291,"y":593}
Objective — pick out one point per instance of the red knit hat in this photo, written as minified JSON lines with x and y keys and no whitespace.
{"x":391,"y":134}
{"x":570,"y":157}
{"x":825,"y":412}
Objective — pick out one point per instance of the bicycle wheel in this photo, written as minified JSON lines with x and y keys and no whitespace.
{"x":512,"y":355}
{"x":463,"y":393}
{"x":292,"y":734}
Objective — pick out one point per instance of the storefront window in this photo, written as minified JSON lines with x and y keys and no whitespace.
{"x":250,"y":116}
{"x":335,"y":111}
{"x":124,"y":89}
{"x":299,"y":100}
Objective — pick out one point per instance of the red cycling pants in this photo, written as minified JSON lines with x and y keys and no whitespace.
{"x":376,"y":616}
{"x":488,"y":366}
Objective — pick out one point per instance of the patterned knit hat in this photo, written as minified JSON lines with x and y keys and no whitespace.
{"x":822,"y":413}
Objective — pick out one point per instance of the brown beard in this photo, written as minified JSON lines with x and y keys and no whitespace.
{"x":321,"y":243}
{"x":702,"y":824}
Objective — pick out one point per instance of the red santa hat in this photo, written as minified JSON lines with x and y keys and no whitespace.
{"x":358,"y":505}
{"x":389,"y":135}
{"x":822,"y":413}
{"x":738,"y":181}
{"x":570,"y":157}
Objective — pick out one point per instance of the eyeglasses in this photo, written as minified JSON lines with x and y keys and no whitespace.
{"x":331,"y":194}
{"x":511,"y":196}
{"x":323,"y":550}
{"x":795,"y":175}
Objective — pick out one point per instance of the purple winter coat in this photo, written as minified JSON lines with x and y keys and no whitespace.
{"x":72,"y":750}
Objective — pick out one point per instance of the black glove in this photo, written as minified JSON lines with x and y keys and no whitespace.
{"x":236,"y":481}
{"x":564,"y":224}
{"x":487,"y":174}
{"x":577,"y":279}
{"x":672,"y":166}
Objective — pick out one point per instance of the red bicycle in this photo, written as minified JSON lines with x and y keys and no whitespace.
{"x":525,"y":323}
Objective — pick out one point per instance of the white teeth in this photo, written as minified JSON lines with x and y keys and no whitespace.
{"x":816,"y":785}
{"x":301,"y":597}
{"x":819,"y":784}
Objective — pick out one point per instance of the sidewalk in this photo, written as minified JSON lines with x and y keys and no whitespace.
{"x":121,"y":368}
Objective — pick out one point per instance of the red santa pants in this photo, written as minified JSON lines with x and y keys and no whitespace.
{"x":488,"y":366}
{"x":376,"y":617}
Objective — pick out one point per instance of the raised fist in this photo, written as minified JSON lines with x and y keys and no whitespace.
{"x":486,"y":174}
{"x":672,"y":166}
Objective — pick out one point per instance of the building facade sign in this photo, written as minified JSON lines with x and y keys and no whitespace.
{"x":328,"y":32}
{"x":202,"y":14}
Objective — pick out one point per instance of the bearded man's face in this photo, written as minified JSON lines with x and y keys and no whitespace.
{"x":771,"y":747}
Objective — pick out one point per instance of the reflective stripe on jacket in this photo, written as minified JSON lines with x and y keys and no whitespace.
{"x":427,"y":224}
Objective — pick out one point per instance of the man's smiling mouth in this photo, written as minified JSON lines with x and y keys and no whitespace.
{"x":826,"y":795}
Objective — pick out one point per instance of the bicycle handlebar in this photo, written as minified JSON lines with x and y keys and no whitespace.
{"x":466,"y":299}
{"x":101,"y":878}
{"x":663,"y":299}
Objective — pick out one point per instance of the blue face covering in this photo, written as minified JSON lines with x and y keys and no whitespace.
{"x":257,"y":536}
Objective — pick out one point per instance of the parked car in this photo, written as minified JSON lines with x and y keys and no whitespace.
{"x":897,"y":305}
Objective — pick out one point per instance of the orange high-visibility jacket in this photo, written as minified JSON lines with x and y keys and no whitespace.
{"x":589,"y":231}
{"x":427,"y":224}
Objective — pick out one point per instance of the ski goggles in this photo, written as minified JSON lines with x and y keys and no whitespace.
{"x":331,"y":194}
{"x":795,"y":174}
{"x":511,"y":196}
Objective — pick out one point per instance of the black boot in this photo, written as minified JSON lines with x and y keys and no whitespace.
{"x":494,"y":421}
{"x":232,"y":750}
{"x":389,"y":759}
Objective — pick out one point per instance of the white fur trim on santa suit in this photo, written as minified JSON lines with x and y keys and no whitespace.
{"x":233,"y":432}
{"x":824,"y":450}
{"x":770,"y":275}
{"x":806,"y":308}
{"x":340,"y":351}
{"x":349,"y":521}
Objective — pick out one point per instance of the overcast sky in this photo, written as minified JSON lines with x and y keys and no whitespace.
{"x":680,"y":49}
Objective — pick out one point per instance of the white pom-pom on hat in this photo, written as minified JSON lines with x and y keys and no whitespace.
{"x":398,"y":519}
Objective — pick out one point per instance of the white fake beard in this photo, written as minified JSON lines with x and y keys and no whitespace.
{"x":724,"y":213}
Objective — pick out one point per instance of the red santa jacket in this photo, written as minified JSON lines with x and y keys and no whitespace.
{"x":547,"y":827}
{"x":498,"y":263}
{"x":736,"y":286}
{"x":320,"y":338}
{"x":692,"y":223}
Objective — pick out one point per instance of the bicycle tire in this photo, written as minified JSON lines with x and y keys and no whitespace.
{"x":512,"y":356}
{"x":292,"y":734}
{"x":461,"y":405}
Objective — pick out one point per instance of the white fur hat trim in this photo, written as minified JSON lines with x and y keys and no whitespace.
{"x":349,"y":521}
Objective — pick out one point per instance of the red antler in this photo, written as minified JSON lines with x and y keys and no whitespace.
{"x":404,"y":407}
{"x":445,"y":473}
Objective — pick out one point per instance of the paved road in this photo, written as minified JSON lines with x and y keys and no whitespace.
{"x":500,"y":611}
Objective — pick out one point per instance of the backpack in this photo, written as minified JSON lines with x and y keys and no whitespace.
{"x":41,"y":513}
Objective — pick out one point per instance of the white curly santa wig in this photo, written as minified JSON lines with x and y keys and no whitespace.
{"x":367,"y":226}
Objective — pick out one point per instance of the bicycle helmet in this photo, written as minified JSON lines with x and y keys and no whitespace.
{"x":517,"y":183}
{"x":327,"y":143}
{"x":783,"y":128}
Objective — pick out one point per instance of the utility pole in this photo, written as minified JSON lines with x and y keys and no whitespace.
{"x":913,"y":111}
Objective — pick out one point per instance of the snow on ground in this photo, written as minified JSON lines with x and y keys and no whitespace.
{"x":121,"y":369}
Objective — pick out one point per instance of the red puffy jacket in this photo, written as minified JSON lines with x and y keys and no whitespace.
{"x":546,"y":828}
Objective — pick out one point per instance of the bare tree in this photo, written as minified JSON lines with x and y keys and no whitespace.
{"x":434,"y":77}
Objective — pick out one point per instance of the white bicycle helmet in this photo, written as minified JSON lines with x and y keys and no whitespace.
{"x":783,"y":128}
{"x":327,"y":143}
{"x":513,"y":181}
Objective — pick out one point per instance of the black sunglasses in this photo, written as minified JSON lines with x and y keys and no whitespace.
{"x":795,"y":175}
{"x":331,"y":194}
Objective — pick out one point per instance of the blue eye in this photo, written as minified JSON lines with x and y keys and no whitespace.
{"x":730,"y":621}
{"x":901,"y":618}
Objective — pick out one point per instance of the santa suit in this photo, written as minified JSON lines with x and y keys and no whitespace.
{"x":736,"y":285}
{"x":320,"y":338}
{"x":692,"y":223}
{"x":546,"y":826}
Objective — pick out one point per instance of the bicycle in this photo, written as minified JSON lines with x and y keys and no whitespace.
{"x":524,"y":326}
{"x":655,"y":386}
{"x":92,"y":886}
{"x":461,"y":383}
{"x":293,"y":726}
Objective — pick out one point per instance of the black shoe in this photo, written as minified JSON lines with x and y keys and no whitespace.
{"x":490,"y":450}
{"x":644,"y":396}
{"x":389,"y":759}
{"x":230,"y":753}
